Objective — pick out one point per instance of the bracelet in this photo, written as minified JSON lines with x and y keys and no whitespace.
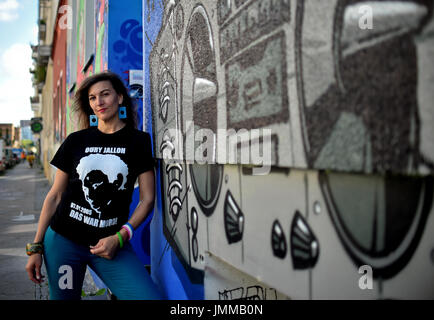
{"x":129,"y":229}
{"x":32,"y":248}
{"x":121,"y":241}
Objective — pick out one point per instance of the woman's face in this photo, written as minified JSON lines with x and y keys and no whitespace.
{"x":104,"y":100}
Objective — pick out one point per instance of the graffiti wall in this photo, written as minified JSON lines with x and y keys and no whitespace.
{"x":101,"y":34}
{"x":336,"y":96}
{"x":59,"y":83}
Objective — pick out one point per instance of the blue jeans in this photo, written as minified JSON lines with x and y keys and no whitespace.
{"x":66,"y":261}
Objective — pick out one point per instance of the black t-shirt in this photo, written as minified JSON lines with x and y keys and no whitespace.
{"x":102,"y":170}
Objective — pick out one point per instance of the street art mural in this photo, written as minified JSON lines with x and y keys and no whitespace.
{"x":359,"y":77}
{"x":125,"y":43}
{"x":349,"y":112}
{"x":101,"y":33}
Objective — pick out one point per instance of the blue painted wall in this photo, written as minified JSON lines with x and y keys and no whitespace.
{"x":167,"y":269}
{"x":124,"y":54}
{"x":125,"y":42}
{"x":131,"y":32}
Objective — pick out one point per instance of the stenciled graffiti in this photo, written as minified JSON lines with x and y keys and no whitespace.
{"x":248,"y":293}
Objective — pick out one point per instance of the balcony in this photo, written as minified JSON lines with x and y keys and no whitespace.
{"x":35,"y":103}
{"x":41,"y":53}
{"x":42,"y":29}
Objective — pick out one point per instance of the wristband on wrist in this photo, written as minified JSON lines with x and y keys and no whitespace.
{"x":129,"y":229}
{"x":121,"y":241}
{"x":32,"y":248}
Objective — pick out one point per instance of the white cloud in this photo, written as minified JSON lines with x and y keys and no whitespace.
{"x":16,"y":60}
{"x":35,"y":31}
{"x":8,"y":10}
{"x":16,"y":83}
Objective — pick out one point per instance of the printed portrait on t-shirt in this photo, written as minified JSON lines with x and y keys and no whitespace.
{"x":101,"y":175}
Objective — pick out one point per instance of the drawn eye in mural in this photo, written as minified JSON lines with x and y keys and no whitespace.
{"x":129,"y":48}
{"x":304,"y":245}
{"x":207,"y":181}
{"x":102,"y":176}
{"x":379,"y":220}
{"x":343,"y":88}
{"x":278,"y":240}
{"x":199,"y":101}
{"x":199,"y":78}
{"x":233,"y":219}
{"x":346,"y":82}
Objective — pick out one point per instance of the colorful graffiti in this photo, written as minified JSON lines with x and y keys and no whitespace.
{"x":101,"y":31}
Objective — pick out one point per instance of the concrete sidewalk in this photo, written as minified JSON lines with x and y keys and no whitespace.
{"x":22,"y":192}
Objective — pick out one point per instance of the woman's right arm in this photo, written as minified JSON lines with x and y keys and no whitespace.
{"x":51,"y":202}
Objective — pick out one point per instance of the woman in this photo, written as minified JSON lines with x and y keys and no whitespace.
{"x":84,"y":218}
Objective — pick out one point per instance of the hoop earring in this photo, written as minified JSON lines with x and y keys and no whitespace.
{"x":122,"y":112}
{"x":93,"y":120}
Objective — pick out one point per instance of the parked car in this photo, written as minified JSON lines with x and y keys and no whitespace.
{"x":2,"y":165}
{"x":2,"y":156}
{"x":16,"y":158}
{"x":9,"y":157}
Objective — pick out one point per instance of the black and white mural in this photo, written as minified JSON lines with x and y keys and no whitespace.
{"x":343,"y":93}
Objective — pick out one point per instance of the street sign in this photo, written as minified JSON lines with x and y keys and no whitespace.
{"x":36,"y":125}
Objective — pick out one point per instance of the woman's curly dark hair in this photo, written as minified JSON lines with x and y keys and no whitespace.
{"x":81,"y":100}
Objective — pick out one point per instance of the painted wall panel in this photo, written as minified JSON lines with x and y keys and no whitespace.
{"x":306,"y":71}
{"x":223,"y":282}
{"x":349,"y":117}
{"x":125,"y":46}
{"x":349,"y":113}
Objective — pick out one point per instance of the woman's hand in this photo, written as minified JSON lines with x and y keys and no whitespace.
{"x":106,"y":247}
{"x":33,"y":268}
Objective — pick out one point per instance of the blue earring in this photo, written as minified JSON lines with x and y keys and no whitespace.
{"x":93,"y":120}
{"x":122,"y":112}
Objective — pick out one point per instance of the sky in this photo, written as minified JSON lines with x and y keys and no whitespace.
{"x":18,"y":29}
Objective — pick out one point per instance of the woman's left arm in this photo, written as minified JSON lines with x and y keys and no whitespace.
{"x":146,"y":203}
{"x":106,"y":247}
